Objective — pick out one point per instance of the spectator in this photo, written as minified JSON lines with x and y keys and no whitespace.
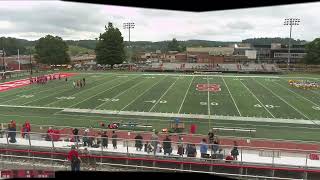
{"x":180,"y":146}
{"x":235,"y":153}
{"x":104,"y":137}
{"x":167,"y":149}
{"x":210,"y":137}
{"x":154,"y":140}
{"x":74,"y":158}
{"x":85,"y":138}
{"x":12,"y":131}
{"x":229,"y":158}
{"x":215,"y":146}
{"x":203,"y":148}
{"x":75,"y":133}
{"x":138,"y":143}
{"x":49,"y":134}
{"x":159,"y":148}
{"x":148,"y":147}
{"x":114,"y":139}
{"x":191,"y":150}
{"x":25,"y":129}
{"x":220,"y":155}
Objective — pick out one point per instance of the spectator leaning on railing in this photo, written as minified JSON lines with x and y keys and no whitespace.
{"x":167,"y":149}
{"x":104,"y":137}
{"x":191,"y":150}
{"x":204,"y":148}
{"x":138,"y":142}
{"x":12,"y":131}
{"x":114,"y":139}
{"x":180,"y":146}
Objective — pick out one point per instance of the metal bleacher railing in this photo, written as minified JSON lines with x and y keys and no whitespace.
{"x":36,"y":147}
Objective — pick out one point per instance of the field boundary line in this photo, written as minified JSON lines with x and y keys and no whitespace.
{"x":231,"y":96}
{"x":102,"y":91}
{"x":142,"y":93}
{"x":154,"y":114}
{"x":164,"y":94}
{"x":282,"y":99}
{"x":85,"y":90}
{"x":119,"y":94}
{"x":257,"y":99}
{"x":297,"y":94}
{"x":185,"y":95}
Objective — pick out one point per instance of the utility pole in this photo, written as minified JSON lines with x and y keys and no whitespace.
{"x":30,"y":62}
{"x":129,"y":25}
{"x":3,"y":63}
{"x":290,"y":22}
{"x":19,"y":60}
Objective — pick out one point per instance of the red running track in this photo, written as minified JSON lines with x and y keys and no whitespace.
{"x":6,"y":86}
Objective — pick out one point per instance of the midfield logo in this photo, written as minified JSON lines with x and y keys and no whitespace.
{"x":209,"y":87}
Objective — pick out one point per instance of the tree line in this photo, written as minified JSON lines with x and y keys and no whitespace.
{"x":110,"y":47}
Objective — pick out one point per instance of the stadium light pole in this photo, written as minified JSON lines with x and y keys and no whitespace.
{"x":129,"y":25}
{"x":290,"y":22}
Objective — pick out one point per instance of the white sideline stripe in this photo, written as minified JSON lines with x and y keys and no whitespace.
{"x":154,"y":114}
{"x":163,"y":94}
{"x":85,"y":90}
{"x":231,"y":96}
{"x":209,"y":109}
{"x":257,"y":99}
{"x":168,"y":74}
{"x":119,"y":94}
{"x":185,"y":95}
{"x":297,"y":94}
{"x":142,"y":93}
{"x":282,"y":99}
{"x":103,"y":91}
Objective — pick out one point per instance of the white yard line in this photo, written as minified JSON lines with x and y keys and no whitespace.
{"x":257,"y":99}
{"x":297,"y":94}
{"x":85,"y":90}
{"x":282,"y":99}
{"x":163,"y":94}
{"x":231,"y":96}
{"x":154,"y":114}
{"x":121,"y":93}
{"x":185,"y":95}
{"x":103,"y":91}
{"x":209,"y":109}
{"x":142,"y":94}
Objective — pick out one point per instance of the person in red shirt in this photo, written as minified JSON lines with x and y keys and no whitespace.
{"x":26,"y":129}
{"x":73,"y":157}
{"x":49,"y":134}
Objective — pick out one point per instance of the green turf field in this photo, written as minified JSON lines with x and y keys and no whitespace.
{"x":266,"y":103}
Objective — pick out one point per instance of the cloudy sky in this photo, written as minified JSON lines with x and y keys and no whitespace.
{"x":34,"y":19}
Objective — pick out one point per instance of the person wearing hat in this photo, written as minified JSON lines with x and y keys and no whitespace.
{"x":73,"y":157}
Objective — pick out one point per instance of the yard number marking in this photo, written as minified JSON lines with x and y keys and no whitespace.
{"x":316,"y":108}
{"x":108,"y":99}
{"x":154,"y":101}
{"x":267,"y":105}
{"x":212,"y":103}
{"x":26,"y":96}
{"x":68,"y":97}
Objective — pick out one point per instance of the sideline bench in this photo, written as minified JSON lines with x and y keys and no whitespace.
{"x":251,"y":131}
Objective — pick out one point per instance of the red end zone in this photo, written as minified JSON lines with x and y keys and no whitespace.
{"x":6,"y":86}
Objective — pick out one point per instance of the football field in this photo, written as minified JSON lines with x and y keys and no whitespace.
{"x":266,"y":103}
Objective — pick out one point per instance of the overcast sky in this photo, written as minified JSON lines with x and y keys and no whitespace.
{"x":34,"y":19}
